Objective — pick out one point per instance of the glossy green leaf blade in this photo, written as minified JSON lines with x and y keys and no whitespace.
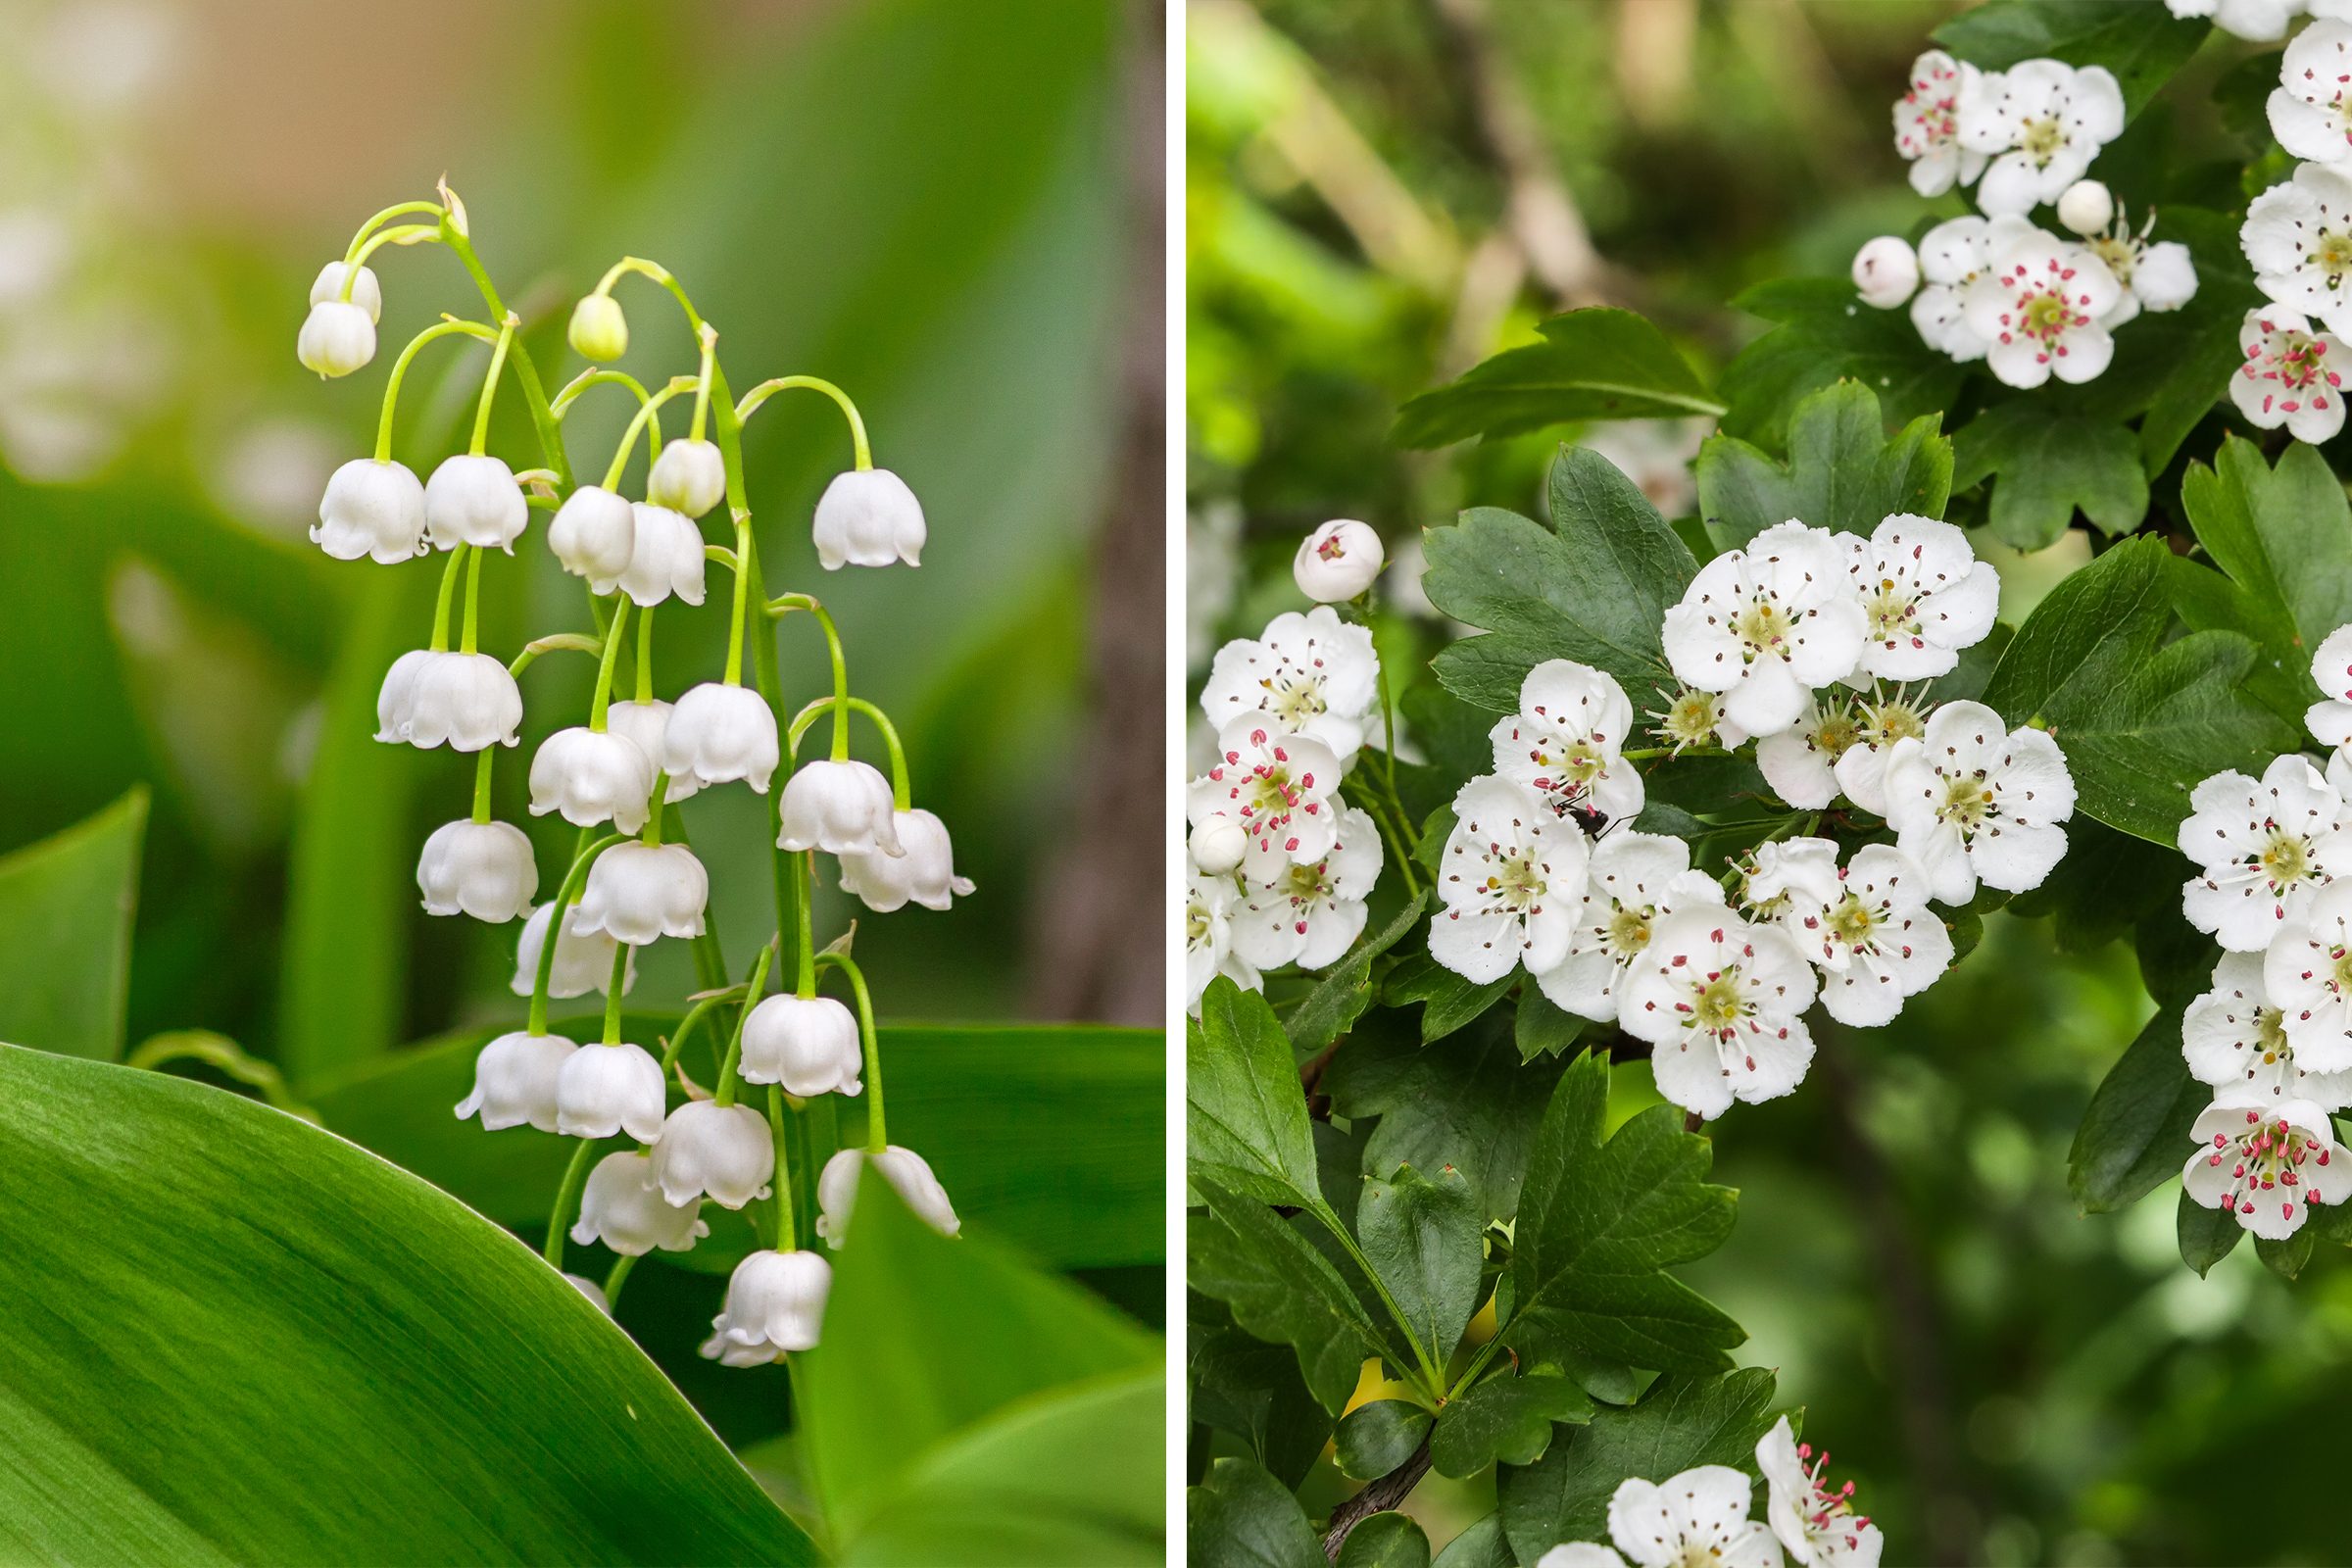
{"x":1284,"y":1292}
{"x":1242,"y":1517}
{"x":1820,"y":336}
{"x":2135,"y":1132}
{"x":1592,"y":365}
{"x":66,"y":906}
{"x":1384,"y":1540}
{"x":1842,"y":473}
{"x":1466,"y":1102}
{"x":2141,"y":44}
{"x":1242,"y":1385}
{"x":2283,"y":535}
{"x":262,"y":1342}
{"x":2045,"y":468}
{"x":1505,"y":1419}
{"x":1377,"y":1437}
{"x":1246,"y":1127}
{"x":1422,"y":1234}
{"x":2207,"y":1234}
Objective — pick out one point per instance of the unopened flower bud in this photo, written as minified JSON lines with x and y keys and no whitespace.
{"x":640,"y":893}
{"x":1218,"y":844}
{"x":515,"y":1081}
{"x":868,"y":518}
{"x":718,"y":734}
{"x":923,"y":871}
{"x":808,"y":1044}
{"x":839,"y":808}
{"x":594,"y":535}
{"x":485,"y":869}
{"x":598,"y":330}
{"x":1885,"y":273}
{"x":589,"y":777}
{"x":2086,"y":208}
{"x":604,"y":1090}
{"x":666,"y":559}
{"x":622,"y":1207}
{"x":371,"y":509}
{"x":724,"y":1151}
{"x":689,"y":476}
{"x":366,"y":292}
{"x":473,"y":499}
{"x":775,"y":1303}
{"x":1338,"y":561}
{"x":583,"y":960}
{"x":336,"y":339}
{"x":904,"y":1169}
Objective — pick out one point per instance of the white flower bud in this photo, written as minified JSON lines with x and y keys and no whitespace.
{"x":666,"y":558}
{"x":583,"y":960}
{"x":590,"y":1289}
{"x":604,"y":1090}
{"x":464,"y":701}
{"x":1885,"y":273}
{"x":396,"y":698}
{"x":622,"y":1207}
{"x":515,"y":1081}
{"x":839,"y":808}
{"x":594,"y":535}
{"x":366,"y":292}
{"x":724,"y":1150}
{"x":2086,"y":208}
{"x":336,"y":339}
{"x":598,"y":330}
{"x":371,"y":509}
{"x":485,"y":869}
{"x":1218,"y":844}
{"x":923,"y":870}
{"x":475,"y":501}
{"x":688,"y":477}
{"x":868,"y":518}
{"x":1338,"y":561}
{"x":648,"y":724}
{"x":590,"y":777}
{"x":718,"y":734}
{"x":775,"y":1303}
{"x":639,"y":893}
{"x":808,"y":1044}
{"x":904,"y":1169}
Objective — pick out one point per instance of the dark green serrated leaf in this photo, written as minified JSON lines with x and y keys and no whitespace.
{"x":1504,"y":1419}
{"x":1965,"y":927}
{"x":1253,"y":1390}
{"x":66,"y":906}
{"x":1283,"y":1290}
{"x":1450,"y":1004}
{"x":2141,"y":44}
{"x":2206,"y":600}
{"x":1384,"y":1540}
{"x":1378,"y":1437}
{"x":1242,"y":1517}
{"x":1822,"y":335}
{"x":1422,"y":1235}
{"x":1467,"y":1102}
{"x":2044,"y":469}
{"x":2207,"y":1235}
{"x":1592,"y":365}
{"x":1245,"y":1123}
{"x":2283,"y":535}
{"x":1482,"y":1546}
{"x":2135,"y":1131}
{"x":2175,"y":958}
{"x":1842,"y":473}
{"x":1539,"y":1027}
{"x":2285,"y":1258}
{"x":2195,"y":350}
{"x":1345,"y":990}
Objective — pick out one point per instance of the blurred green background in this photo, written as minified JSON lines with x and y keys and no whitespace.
{"x":1382,"y":193}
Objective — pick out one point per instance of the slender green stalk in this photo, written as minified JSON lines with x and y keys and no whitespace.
{"x":803,"y":936}
{"x":526,"y":375}
{"x":785,"y":605}
{"x":727,"y":1082}
{"x":644,"y":654}
{"x":647,"y":419}
{"x":481,"y":783}
{"x":787,"y":1237}
{"x":785,"y":383}
{"x":449,"y":592}
{"x":615,"y":988}
{"x":358,"y":239}
{"x":400,"y":370}
{"x":570,"y":890}
{"x":877,"y":1137}
{"x":498,"y":363}
{"x":600,"y":708}
{"x":618,"y":1277}
{"x":567,"y":1197}
{"x":468,"y":642}
{"x":686,"y":1025}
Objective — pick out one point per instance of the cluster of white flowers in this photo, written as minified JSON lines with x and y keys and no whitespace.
{"x":2031,"y":305}
{"x":1701,"y":1516}
{"x":2259,"y":21}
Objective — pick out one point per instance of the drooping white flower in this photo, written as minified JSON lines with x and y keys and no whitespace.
{"x":839,"y":808}
{"x":2311,"y":108}
{"x":590,"y":776}
{"x":485,"y":869}
{"x":2258,"y":21}
{"x":1819,"y":1527}
{"x":594,"y":535}
{"x":1800,"y":762}
{"x":2042,"y":121}
{"x":648,"y":724}
{"x":396,"y":698}
{"x":2307,"y":970}
{"x":1972,"y":801}
{"x":2265,"y":847}
{"x":1885,"y":273}
{"x":868,"y":518}
{"x":2290,"y":377}
{"x":1874,"y":938}
{"x":1310,"y":916}
{"x":640,"y":893}
{"x":1210,"y":904}
{"x":336,"y":338}
{"x":583,"y":959}
{"x":2086,"y":208}
{"x":2298,"y":237}
{"x":666,"y":557}
{"x":1217,"y":844}
{"x":1951,"y":255}
{"x":515,"y":1081}
{"x":724,"y":1151}
{"x":2153,"y":276}
{"x":902,"y":1168}
{"x":808,"y":1044}
{"x":1281,"y":788}
{"x":2265,"y":1163}
{"x":367,"y":291}
{"x":1926,"y":124}
{"x":688,"y":475}
{"x":718,"y":734}
{"x":1338,"y":562}
{"x":775,"y":1305}
{"x":1312,"y":674}
{"x":1632,"y":881}
{"x":599,"y":328}
{"x":473,"y":499}
{"x":465,"y":702}
{"x":2039,"y":308}
{"x":604,"y":1090}
{"x":1881,"y":718}
{"x":2234,"y":1039}
{"x":371,"y":509}
{"x":1925,"y":595}
{"x":922,"y":872}
{"x":622,"y":1207}
{"x":1566,"y":740}
{"x":1511,"y":878}
{"x":1719,"y":1000}
{"x":1763,"y":624}
{"x":1699,"y":1516}
{"x":2329,"y":721}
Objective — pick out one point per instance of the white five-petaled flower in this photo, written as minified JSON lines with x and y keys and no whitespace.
{"x":1719,"y":1000}
{"x":666,"y":557}
{"x":688,"y":475}
{"x":2298,"y":237}
{"x":473,"y":499}
{"x":589,"y":776}
{"x":1925,"y":596}
{"x":2040,"y":309}
{"x":1312,"y":674}
{"x":718,"y":734}
{"x":371,"y":509}
{"x":485,"y":869}
{"x":1696,"y":1517}
{"x":1927,"y":125}
{"x":640,"y":893}
{"x":2258,"y":21}
{"x":1763,"y":624}
{"x":2152,"y":274}
{"x":2265,"y":848}
{"x":1881,"y":718}
{"x":1800,"y":762}
{"x":2290,"y":377}
{"x":2234,"y":1039}
{"x":724,"y":1152}
{"x":606,"y":1089}
{"x":1972,"y":801}
{"x":775,"y":1305}
{"x":1310,"y":916}
{"x":594,"y":535}
{"x":2311,"y":108}
{"x":840,"y":807}
{"x":1633,"y":879}
{"x":2042,"y":121}
{"x":922,"y":872}
{"x":808,"y":1044}
{"x":622,"y":1207}
{"x":1869,"y":932}
{"x":1338,"y":561}
{"x":648,"y":724}
{"x":902,"y":1168}
{"x":2307,"y":972}
{"x":2265,"y":1163}
{"x":1210,"y":906}
{"x":583,"y":959}
{"x":868,"y":518}
{"x":2329,"y":721}
{"x":1819,"y":1527}
{"x":465,"y":702}
{"x":1953,"y":255}
{"x":1510,"y":880}
{"x":1565,"y":742}
{"x":1282,"y":788}
{"x":515,"y":1081}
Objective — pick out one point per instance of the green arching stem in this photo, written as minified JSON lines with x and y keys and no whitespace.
{"x":901,"y":797}
{"x":400,"y":370}
{"x":803,"y":937}
{"x":449,"y":590}
{"x":728,"y":1080}
{"x":660,"y":274}
{"x":404,"y":234}
{"x":613,"y":987}
{"x":648,"y":420}
{"x":554,"y":643}
{"x":618,"y":1277}
{"x":351,"y":255}
{"x":498,"y":363}
{"x":644,"y":654}
{"x":526,"y":375}
{"x":481,"y":783}
{"x":653,"y":806}
{"x":603,"y":674}
{"x":596,"y":375}
{"x":568,"y":1193}
{"x":572,"y":880}
{"x":474,"y":601}
{"x":708,"y":338}
{"x":877,"y":1138}
{"x":785,"y":383}
{"x":693,"y":1015}
{"x":787,"y":1237}
{"x":785,"y":604}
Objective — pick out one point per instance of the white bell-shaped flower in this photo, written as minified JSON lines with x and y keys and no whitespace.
{"x":925,"y":870}
{"x":1338,"y":561}
{"x":464,"y":701}
{"x":583,"y":959}
{"x":902,"y":1168}
{"x":775,"y":1303}
{"x":337,"y":338}
{"x":688,"y":477}
{"x":666,"y":558}
{"x":648,"y":724}
{"x":589,"y":777}
{"x":371,"y":509}
{"x":396,"y":698}
{"x":839,"y":808}
{"x":1218,"y":844}
{"x":718,"y":734}
{"x":485,"y":869}
{"x":366,"y":291}
{"x":473,"y":499}
{"x":640,"y":893}
{"x":622,"y":1207}
{"x":604,"y":1090}
{"x":594,"y":535}
{"x":515,"y":1081}
{"x":724,"y":1152}
{"x":808,"y":1044}
{"x":868,"y":518}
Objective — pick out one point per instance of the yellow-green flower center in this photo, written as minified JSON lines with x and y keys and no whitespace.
{"x":1717,"y":1006}
{"x":1966,"y":801}
{"x":2284,"y":860}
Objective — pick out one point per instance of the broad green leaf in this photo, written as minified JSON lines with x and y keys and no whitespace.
{"x":1680,"y":1423}
{"x":1600,"y":1224}
{"x":1378,"y":1437}
{"x":2046,"y":468}
{"x":1345,"y":990}
{"x":1821,"y":335}
{"x":2140,"y":721}
{"x":307,"y":1355}
{"x":2207,"y":1235}
{"x":2283,"y":535}
{"x":1423,"y":1235}
{"x":66,"y":906}
{"x":2207,"y":600}
{"x":1466,"y":1102}
{"x":1592,"y":365}
{"x":1283,"y":1290}
{"x":1482,"y":1546}
{"x":2134,"y":1133}
{"x":1384,"y":1540}
{"x":2285,"y":1258}
{"x":1541,"y":1028}
{"x":1842,"y":473}
{"x":1245,"y":1126}
{"x":1449,"y":1003}
{"x":1242,"y":1385}
{"x":2141,"y":44}
{"x":2192,"y":351}
{"x":1244,"y":1517}
{"x":2175,"y":958}
{"x":1505,"y":1419}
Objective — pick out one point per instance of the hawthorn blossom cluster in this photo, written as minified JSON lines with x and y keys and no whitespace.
{"x":633,"y":879}
{"x":1701,"y":1516}
{"x":2259,"y":21}
{"x":1991,"y":286}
